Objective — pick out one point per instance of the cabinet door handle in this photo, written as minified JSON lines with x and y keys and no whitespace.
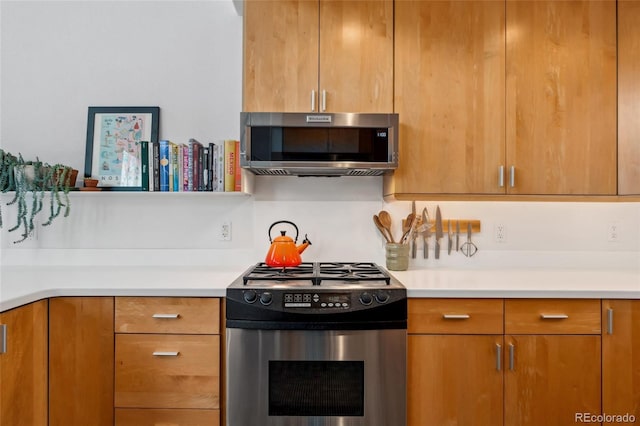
{"x":501,"y":176}
{"x":610,"y":321}
{"x":3,"y":338}
{"x":512,"y":176}
{"x":166,"y":316}
{"x":554,"y":316}
{"x":324,"y":101}
{"x":498,"y":357}
{"x":456,"y":316}
{"x":165,"y":353}
{"x":512,"y":356}
{"x":313,"y":101}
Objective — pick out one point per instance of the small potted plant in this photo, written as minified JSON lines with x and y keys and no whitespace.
{"x":25,"y":177}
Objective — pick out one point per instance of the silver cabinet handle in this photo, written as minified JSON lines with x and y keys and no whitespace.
{"x":324,"y":101}
{"x":512,"y":356}
{"x":166,"y":316}
{"x":3,"y":338}
{"x":512,"y":176}
{"x":554,"y":316}
{"x":610,"y":321}
{"x":313,"y":101}
{"x":456,"y":316}
{"x":498,"y":357}
{"x":501,"y":176}
{"x":165,"y":353}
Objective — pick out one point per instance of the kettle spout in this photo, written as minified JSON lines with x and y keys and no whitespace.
{"x":305,"y":243}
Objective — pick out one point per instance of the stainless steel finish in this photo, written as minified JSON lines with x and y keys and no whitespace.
{"x":324,"y":101}
{"x":609,"y":321}
{"x":438,"y":231}
{"x":165,"y":353}
{"x":425,"y":234}
{"x":498,"y":357}
{"x":456,"y":316}
{"x":512,"y":356}
{"x":449,"y":237}
{"x":313,"y":100}
{"x":3,"y":338}
{"x":554,"y":316}
{"x":383,"y":353}
{"x":457,"y":235}
{"x":501,"y":177}
{"x":469,"y":248}
{"x":512,"y":176}
{"x":415,"y":236}
{"x":318,"y":168}
{"x":166,"y":316}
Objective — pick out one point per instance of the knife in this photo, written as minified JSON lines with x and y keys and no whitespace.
{"x":449,"y":236}
{"x":425,"y":234}
{"x":438,"y":231}
{"x":413,"y":240}
{"x":457,"y":235}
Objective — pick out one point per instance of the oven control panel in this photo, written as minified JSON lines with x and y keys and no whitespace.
{"x":317,"y":300}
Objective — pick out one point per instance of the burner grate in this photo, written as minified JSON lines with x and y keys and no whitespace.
{"x":352,"y":271}
{"x":262,"y":272}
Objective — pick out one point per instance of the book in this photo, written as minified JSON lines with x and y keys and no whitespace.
{"x":219,"y":167}
{"x":205,"y":168}
{"x":175,"y":172}
{"x":150,"y":165}
{"x":211,"y":166}
{"x":237,"y":170}
{"x":144,"y":164}
{"x":197,"y":146}
{"x":229,"y":165}
{"x":164,"y":152}
{"x":186,"y":168}
{"x":156,"y":165}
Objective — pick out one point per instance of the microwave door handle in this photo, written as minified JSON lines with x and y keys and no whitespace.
{"x":313,"y":100}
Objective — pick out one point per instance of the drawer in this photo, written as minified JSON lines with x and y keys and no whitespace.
{"x":455,"y":316}
{"x":180,"y":315}
{"x":552,"y":316}
{"x":167,"y":371}
{"x":159,"y":417}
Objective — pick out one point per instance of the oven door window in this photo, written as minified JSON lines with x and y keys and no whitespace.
{"x":316,"y":388}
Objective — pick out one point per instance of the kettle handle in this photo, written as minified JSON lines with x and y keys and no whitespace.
{"x":283,"y":221}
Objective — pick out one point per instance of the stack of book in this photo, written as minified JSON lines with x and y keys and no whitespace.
{"x":192,"y":166}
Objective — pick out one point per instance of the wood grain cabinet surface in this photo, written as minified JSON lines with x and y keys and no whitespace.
{"x":167,"y":360}
{"x":506,"y":98}
{"x":23,"y":366}
{"x":303,"y":56}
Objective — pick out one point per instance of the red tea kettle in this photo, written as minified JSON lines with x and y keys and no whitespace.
{"x":283,"y":251}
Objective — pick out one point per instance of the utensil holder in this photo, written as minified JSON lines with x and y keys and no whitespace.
{"x":397,"y":256}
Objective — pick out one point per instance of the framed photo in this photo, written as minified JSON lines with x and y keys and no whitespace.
{"x":114,"y":136}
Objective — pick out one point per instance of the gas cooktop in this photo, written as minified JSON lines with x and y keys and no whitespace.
{"x":308,"y":273}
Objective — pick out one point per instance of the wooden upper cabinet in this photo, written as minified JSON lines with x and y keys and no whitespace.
{"x":302,"y":56}
{"x":628,"y":97}
{"x":561,"y":97}
{"x":449,"y":93}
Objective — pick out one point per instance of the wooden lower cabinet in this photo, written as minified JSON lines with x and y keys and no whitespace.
{"x":23,"y":366}
{"x":550,"y":379}
{"x":621,"y":359}
{"x":454,"y":380}
{"x":166,"y":417}
{"x":81,"y":361}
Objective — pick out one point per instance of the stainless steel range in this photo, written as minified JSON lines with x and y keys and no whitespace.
{"x":316,"y":345}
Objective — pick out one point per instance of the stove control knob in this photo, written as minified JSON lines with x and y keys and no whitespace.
{"x":266,"y":298}
{"x":366,"y":299}
{"x":381,"y":297}
{"x":250,"y":296}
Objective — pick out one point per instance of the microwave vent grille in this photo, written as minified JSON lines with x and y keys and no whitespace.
{"x":271,"y":172}
{"x":370,"y":172}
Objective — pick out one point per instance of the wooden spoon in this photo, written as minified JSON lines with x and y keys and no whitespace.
{"x":385,"y":220}
{"x":381,"y":228}
{"x":406,"y":227}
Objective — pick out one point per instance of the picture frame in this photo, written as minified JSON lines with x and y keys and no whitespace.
{"x":114,"y":136}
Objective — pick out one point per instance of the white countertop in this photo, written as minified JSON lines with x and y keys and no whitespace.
{"x":24,"y":284}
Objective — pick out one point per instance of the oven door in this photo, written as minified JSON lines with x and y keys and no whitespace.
{"x":316,"y":377}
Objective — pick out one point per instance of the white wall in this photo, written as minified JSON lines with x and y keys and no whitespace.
{"x":59,"y":57}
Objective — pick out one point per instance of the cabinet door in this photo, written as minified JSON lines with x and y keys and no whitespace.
{"x":561,"y":96}
{"x":551,"y":379}
{"x":280,"y":55}
{"x":23,"y":367}
{"x":628,"y":97}
{"x":449,"y":93}
{"x":621,"y":357}
{"x":81,"y":340}
{"x":356,"y":55}
{"x":454,"y":380}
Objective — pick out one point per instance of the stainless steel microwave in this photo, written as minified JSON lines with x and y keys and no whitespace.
{"x":318,"y":144}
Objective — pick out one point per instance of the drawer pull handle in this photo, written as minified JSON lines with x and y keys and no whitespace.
{"x":166,"y":316}
{"x":512,"y":357}
{"x":498,"y":357}
{"x":610,"y":321}
{"x":164,"y":353}
{"x":3,"y":338}
{"x":554,"y":316}
{"x":456,"y":316}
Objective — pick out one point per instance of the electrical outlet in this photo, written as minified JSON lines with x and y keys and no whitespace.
{"x":225,"y":231}
{"x":613,"y":232}
{"x":501,"y":233}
